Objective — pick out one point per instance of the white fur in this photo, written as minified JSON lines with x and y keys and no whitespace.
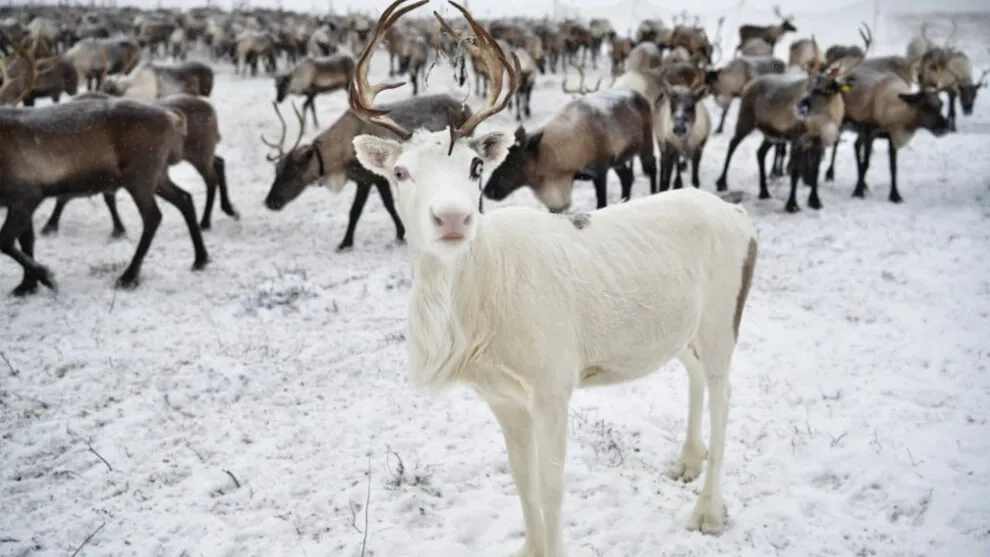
{"x":529,"y":307}
{"x":141,"y":84}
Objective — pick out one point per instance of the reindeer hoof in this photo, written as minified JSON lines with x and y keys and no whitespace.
{"x":232,"y":213}
{"x":200,"y":264}
{"x":127,"y":283}
{"x":860,"y":191}
{"x":815,"y":203}
{"x":721,"y":184}
{"x":345,"y":246}
{"x":895,"y":197}
{"x":118,"y":233}
{"x":792,"y":207}
{"x":205,"y":225}
{"x":49,"y":229}
{"x":829,"y":176}
{"x":29,"y":286}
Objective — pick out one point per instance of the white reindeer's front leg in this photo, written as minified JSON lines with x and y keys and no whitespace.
{"x":693,"y":453}
{"x":709,"y":512}
{"x":517,"y":428}
{"x":550,"y":425}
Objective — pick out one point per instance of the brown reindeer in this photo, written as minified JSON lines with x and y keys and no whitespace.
{"x":582,"y":140}
{"x":199,"y":150}
{"x":771,"y":34}
{"x":783,"y":108}
{"x":313,"y":76}
{"x":728,"y":82}
{"x":78,"y":149}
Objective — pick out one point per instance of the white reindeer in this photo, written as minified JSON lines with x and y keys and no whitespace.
{"x":526,"y":306}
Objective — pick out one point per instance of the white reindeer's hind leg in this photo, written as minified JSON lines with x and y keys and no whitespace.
{"x":709,"y":512}
{"x":517,"y":428}
{"x":693,"y":453}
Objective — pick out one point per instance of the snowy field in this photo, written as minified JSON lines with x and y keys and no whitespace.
{"x":238,"y":412}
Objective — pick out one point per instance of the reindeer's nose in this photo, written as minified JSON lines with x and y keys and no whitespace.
{"x":451,"y":223}
{"x":680,"y":128}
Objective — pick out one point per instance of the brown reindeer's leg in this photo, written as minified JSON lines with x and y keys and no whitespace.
{"x":648,"y":161}
{"x":952,"y":111}
{"x":830,"y":173}
{"x":779,"y":154}
{"x":761,"y":161}
{"x":600,"y":181}
{"x":143,"y":193}
{"x":667,"y":162}
{"x":311,"y":101}
{"x":864,"y":149}
{"x":696,"y":164}
{"x":795,"y":171}
{"x":51,"y":227}
{"x":721,"y":121}
{"x":118,"y":226}
{"x":626,"y":178}
{"x":895,"y":196}
{"x":29,"y":285}
{"x":16,"y":228}
{"x":360,"y":198}
{"x":722,"y":184}
{"x":220,"y":171}
{"x":386,"y":194}
{"x":181,"y":200}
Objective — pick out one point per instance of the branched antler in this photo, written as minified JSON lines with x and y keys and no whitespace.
{"x":776,"y":12}
{"x":361,"y":94}
{"x":842,"y":67}
{"x":279,"y":147}
{"x":581,"y":89}
{"x":8,"y":81}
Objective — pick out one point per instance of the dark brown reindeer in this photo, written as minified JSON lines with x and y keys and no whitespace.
{"x":83,"y":149}
{"x":313,"y":76}
{"x":771,"y":34}
{"x":330,"y":158}
{"x":199,"y":150}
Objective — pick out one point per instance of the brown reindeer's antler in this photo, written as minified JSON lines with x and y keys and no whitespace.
{"x":841,"y":68}
{"x":494,"y":58}
{"x":361,"y":94}
{"x":951,"y":34}
{"x":982,"y":82}
{"x":279,"y":147}
{"x":8,"y":81}
{"x":776,"y":12}
{"x":581,"y":89}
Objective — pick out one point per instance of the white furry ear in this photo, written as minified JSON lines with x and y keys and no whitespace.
{"x":492,"y":147}
{"x":377,"y":154}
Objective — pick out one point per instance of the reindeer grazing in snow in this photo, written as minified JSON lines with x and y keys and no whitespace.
{"x":771,"y":34}
{"x":617,"y":292}
{"x":80,"y":149}
{"x":312,"y":76}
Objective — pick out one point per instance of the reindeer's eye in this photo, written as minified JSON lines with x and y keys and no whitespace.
{"x":476,"y":167}
{"x":400,"y":173}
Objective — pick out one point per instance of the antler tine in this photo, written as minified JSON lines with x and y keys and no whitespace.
{"x":776,"y":11}
{"x":361,"y":94}
{"x":866,"y":34}
{"x":839,"y":69}
{"x":580,"y":88}
{"x":302,"y":126}
{"x":924,"y":31}
{"x":495,"y":61}
{"x":472,"y":49}
{"x":951,"y":34}
{"x":983,"y":76}
{"x":281,"y":139}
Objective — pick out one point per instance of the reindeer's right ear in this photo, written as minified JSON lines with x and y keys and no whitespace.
{"x":377,"y":154}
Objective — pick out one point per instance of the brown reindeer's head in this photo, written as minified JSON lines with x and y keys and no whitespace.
{"x":786,"y":22}
{"x":928,"y":111}
{"x":682,"y":103}
{"x":967,"y":92}
{"x":513,"y":172}
{"x":294,"y":169}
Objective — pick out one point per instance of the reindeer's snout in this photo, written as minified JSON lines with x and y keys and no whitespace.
{"x":450,"y":223}
{"x":680,"y":128}
{"x":804,"y":107}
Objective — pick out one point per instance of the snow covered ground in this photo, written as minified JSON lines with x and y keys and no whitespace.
{"x":238,"y":412}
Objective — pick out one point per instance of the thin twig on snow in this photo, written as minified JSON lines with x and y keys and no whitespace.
{"x":367,"y":503}
{"x":13,"y":370}
{"x":87,"y":540}
{"x":92,"y":450}
{"x":237,"y":484}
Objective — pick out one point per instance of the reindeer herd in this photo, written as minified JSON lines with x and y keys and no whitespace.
{"x":146,"y":106}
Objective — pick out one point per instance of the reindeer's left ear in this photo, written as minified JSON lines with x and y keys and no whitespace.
{"x":377,"y":154}
{"x":492,"y":147}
